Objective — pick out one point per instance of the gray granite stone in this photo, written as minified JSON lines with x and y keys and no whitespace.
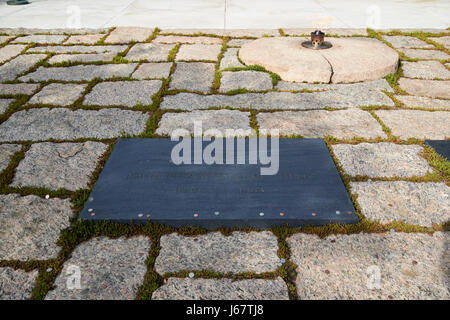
{"x":350,"y":96}
{"x":20,"y":31}
{"x":209,"y":52}
{"x":341,"y":124}
{"x":417,"y":124}
{"x":79,"y":49}
{"x":31,"y":226}
{"x":238,"y":253}
{"x":123,"y":93}
{"x":6,"y":153}
{"x":9,"y":51}
{"x":230,"y":59}
{"x":409,"y":266}
{"x":18,"y":88}
{"x":411,"y":30}
{"x":110,"y":269}
{"x":3,"y":39}
{"x":210,"y":119}
{"x":422,"y":204}
{"x":82,"y":57}
{"x":84,"y":39}
{"x":427,"y":88}
{"x":152,"y":70}
{"x":58,"y":94}
{"x":222,"y":289}
{"x":194,"y":76}
{"x":16,"y":284}
{"x":80,"y":72}
{"x":406,"y":42}
{"x":4,"y":104}
{"x":129,"y":34}
{"x":250,"y":80}
{"x":65,"y":124}
{"x":11,"y":69}
{"x":381,"y":159}
{"x":40,"y":38}
{"x":238,"y":42}
{"x":425,"y":54}
{"x":425,"y":70}
{"x":186,"y":39}
{"x":59,"y":165}
{"x":335,"y":95}
{"x":328,"y":31}
{"x":353,"y":89}
{"x":150,"y":52}
{"x":238,"y":33}
{"x":445,"y":41}
{"x":423,"y":102}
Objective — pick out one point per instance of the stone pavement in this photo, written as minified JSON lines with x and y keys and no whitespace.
{"x":66,"y":96}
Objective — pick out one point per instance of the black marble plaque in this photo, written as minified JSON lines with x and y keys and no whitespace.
{"x":140,"y":183}
{"x":442,"y":147}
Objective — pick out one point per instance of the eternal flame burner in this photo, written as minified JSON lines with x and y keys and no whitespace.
{"x":317,"y":41}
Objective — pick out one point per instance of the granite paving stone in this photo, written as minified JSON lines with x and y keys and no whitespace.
{"x":371,"y":266}
{"x":6,"y":153}
{"x":381,"y":159}
{"x":16,"y":284}
{"x":4,"y":104}
{"x":79,"y":49}
{"x":11,"y":69}
{"x":353,"y":89}
{"x":416,"y":123}
{"x":208,"y":52}
{"x":82,"y":57}
{"x":152,"y":70}
{"x":222,"y":289}
{"x":238,"y":253}
{"x":9,"y":51}
{"x":423,"y":102}
{"x":425,"y":54}
{"x":84,"y":39}
{"x":425,"y":70}
{"x":20,"y":31}
{"x":238,"y":42}
{"x":3,"y":39}
{"x":249,"y":80}
{"x":445,"y":41}
{"x":150,"y":52}
{"x":406,"y":42}
{"x":58,"y":94}
{"x":59,"y":165}
{"x":65,"y":124}
{"x":80,"y":72}
{"x":18,"y":88}
{"x":328,"y":31}
{"x":31,"y":226}
{"x":128,"y":34}
{"x":123,"y":93}
{"x":210,"y":119}
{"x":237,"y":33}
{"x":41,"y":38}
{"x":410,"y":202}
{"x":194,"y":76}
{"x":276,"y":100}
{"x":110,"y":269}
{"x":427,"y":88}
{"x":341,"y":124}
{"x":186,"y":39}
{"x":230,"y":59}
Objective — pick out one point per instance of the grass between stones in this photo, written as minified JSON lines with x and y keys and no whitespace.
{"x":81,"y":231}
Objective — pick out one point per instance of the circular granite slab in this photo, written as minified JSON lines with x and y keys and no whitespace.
{"x":349,"y":60}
